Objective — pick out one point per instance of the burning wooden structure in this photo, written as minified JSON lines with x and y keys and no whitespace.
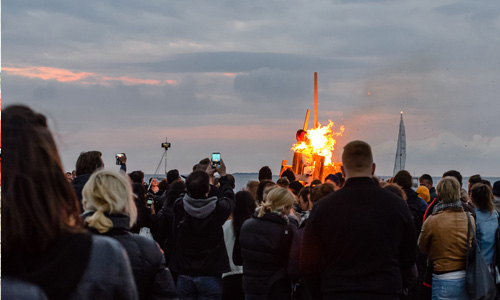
{"x":313,"y":153}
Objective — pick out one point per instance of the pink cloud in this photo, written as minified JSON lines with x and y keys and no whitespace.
{"x":63,"y":75}
{"x":47,"y":73}
{"x":227,"y":74}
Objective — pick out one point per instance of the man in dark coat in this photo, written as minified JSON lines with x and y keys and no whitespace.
{"x":86,"y":164}
{"x":359,"y":242}
{"x":417,"y":205}
{"x":426,"y":180}
{"x":200,"y":256}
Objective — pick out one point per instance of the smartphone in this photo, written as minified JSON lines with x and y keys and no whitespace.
{"x":150,"y":202}
{"x":118,"y":157}
{"x":215,"y":159}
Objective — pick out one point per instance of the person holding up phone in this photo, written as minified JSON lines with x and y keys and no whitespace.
{"x":199,"y":255}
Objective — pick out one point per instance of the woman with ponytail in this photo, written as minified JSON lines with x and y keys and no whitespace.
{"x":111,"y":211}
{"x":45,"y":249}
{"x":265,"y":241}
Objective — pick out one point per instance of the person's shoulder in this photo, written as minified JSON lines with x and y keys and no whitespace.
{"x":13,"y":288}
{"x":144,"y":243}
{"x":150,"y":250}
{"x":178,"y":203}
{"x":106,"y":252}
{"x":105,"y":244}
{"x":108,"y":274}
{"x":436,"y":216}
{"x":250,"y":223}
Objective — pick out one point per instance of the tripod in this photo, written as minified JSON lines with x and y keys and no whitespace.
{"x":159,"y":164}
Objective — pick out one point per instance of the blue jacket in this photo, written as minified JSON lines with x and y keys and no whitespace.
{"x":486,"y":226}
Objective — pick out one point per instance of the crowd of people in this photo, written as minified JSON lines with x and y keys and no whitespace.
{"x":102,"y":234}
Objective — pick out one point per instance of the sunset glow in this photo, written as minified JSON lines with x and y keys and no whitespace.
{"x":63,"y":75}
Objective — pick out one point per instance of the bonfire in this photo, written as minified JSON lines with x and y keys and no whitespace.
{"x":313,"y":152}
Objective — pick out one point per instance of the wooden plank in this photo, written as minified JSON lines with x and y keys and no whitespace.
{"x":306,"y":121}
{"x":297,"y":165}
{"x":319,"y":166}
{"x":315,"y":100}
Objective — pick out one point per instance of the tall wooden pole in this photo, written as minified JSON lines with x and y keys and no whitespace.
{"x":315,"y":100}
{"x":306,"y":119}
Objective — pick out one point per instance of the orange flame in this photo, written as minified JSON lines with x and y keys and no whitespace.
{"x":320,"y":141}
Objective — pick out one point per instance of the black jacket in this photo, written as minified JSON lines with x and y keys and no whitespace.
{"x":432,"y":194}
{"x":152,"y":278}
{"x":357,"y":243}
{"x":199,"y":239}
{"x":164,"y":234}
{"x":78,"y":184}
{"x":265,"y":247}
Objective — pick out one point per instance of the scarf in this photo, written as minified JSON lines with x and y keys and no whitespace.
{"x":442,"y":206}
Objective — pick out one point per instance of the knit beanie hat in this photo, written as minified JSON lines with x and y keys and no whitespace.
{"x":423,"y":193}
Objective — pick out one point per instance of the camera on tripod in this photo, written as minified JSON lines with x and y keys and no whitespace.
{"x":166,"y":145}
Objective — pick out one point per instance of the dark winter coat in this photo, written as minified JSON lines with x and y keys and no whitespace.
{"x":417,"y":206}
{"x":199,"y":246}
{"x":432,"y":193}
{"x":265,"y":247}
{"x":78,"y":184}
{"x":152,"y":278}
{"x":74,"y":267}
{"x":165,"y":233}
{"x":357,"y":243}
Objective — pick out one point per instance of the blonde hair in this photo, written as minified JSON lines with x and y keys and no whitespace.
{"x":448,"y":189}
{"x":266,"y":191}
{"x":277,"y":199}
{"x":107,"y":192}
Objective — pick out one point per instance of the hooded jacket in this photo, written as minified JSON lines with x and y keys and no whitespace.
{"x":199,"y":239}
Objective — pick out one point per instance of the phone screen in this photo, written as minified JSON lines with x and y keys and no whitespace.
{"x":216,"y":158}
{"x":117,"y":157}
{"x":150,"y":201}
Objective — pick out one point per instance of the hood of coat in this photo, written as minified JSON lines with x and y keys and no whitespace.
{"x":199,"y":208}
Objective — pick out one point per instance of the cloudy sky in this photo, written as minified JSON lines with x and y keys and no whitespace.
{"x":237,"y":77}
